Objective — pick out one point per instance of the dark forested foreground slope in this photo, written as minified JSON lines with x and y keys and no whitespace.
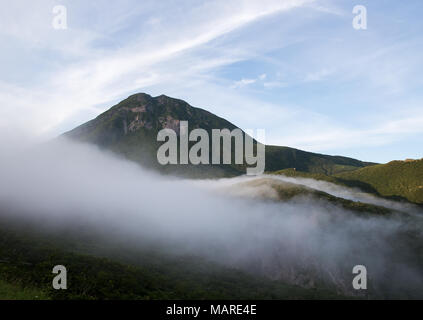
{"x":98,"y":269}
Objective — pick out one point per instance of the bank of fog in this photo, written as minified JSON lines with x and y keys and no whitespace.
{"x":304,"y":242}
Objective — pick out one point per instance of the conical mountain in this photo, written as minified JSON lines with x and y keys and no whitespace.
{"x":130,"y":129}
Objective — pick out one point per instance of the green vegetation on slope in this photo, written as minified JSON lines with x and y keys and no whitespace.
{"x":328,"y":178}
{"x":13,"y":291}
{"x":278,"y":158}
{"x":396,"y":179}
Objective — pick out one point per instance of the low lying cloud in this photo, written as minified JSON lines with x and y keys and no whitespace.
{"x":304,"y":241}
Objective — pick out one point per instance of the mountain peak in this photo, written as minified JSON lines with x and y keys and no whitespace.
{"x":130,"y":128}
{"x":163,"y":96}
{"x":146,"y":103}
{"x":138,"y":97}
{"x":145,"y":96}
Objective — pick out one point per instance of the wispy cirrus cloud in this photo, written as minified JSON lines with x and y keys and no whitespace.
{"x":96,"y":75}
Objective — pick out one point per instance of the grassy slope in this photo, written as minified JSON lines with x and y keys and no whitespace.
{"x":396,"y":179}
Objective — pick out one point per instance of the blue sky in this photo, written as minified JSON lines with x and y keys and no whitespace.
{"x":296,"y":68}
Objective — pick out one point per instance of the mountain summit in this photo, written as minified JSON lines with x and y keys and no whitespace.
{"x":130,"y":129}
